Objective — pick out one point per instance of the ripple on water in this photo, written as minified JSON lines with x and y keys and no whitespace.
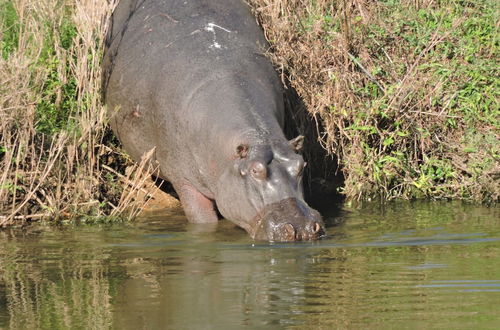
{"x":430,"y":265}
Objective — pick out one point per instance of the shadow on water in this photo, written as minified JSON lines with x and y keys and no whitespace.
{"x":423,"y":265}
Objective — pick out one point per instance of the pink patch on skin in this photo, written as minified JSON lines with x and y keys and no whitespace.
{"x":198,"y":208}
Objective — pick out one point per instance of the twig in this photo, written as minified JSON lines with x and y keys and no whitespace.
{"x":383,"y":50}
{"x":433,"y":114}
{"x":127,"y":181}
{"x":448,"y":103}
{"x":45,"y":172}
{"x":24,"y":217}
{"x":370,"y":76}
{"x":112,"y":205}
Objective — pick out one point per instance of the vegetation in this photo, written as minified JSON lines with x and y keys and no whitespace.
{"x":405,"y":94}
{"x":57,"y":157}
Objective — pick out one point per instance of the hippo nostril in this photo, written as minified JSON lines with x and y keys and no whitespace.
{"x":316,"y":228}
{"x":258,"y":170}
{"x":289,"y":231}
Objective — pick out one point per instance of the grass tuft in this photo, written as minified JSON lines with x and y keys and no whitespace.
{"x":406,"y":92}
{"x":58,"y":159}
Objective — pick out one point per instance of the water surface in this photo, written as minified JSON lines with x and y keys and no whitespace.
{"x":404,"y":265}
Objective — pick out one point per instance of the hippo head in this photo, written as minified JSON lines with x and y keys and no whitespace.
{"x":261,"y":192}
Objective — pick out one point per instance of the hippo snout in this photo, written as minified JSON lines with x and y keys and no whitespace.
{"x":288,"y":232}
{"x":288,"y":220}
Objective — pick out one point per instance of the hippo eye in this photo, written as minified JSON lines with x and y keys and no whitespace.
{"x":242,"y":151}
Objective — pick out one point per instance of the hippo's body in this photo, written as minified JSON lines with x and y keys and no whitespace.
{"x":188,"y":77}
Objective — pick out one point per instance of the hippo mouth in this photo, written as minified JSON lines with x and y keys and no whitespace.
{"x":286,"y":221}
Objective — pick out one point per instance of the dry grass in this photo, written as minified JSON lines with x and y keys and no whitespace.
{"x":404,"y":92}
{"x":51,"y":73}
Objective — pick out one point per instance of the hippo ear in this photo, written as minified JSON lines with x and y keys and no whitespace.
{"x":242,"y":150}
{"x":297,"y":143}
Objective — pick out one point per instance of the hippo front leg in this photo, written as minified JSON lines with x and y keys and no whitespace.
{"x":198,"y":208}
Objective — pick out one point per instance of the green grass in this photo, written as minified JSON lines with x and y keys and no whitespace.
{"x":58,"y":97}
{"x":463,"y":63}
{"x":407,"y":98}
{"x":408,"y":94}
{"x":9,"y":28}
{"x":55,"y":146}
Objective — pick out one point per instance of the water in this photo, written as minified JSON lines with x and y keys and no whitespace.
{"x":405,"y":265}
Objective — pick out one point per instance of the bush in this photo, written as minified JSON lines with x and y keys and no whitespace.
{"x":406,"y":92}
{"x":57,"y":158}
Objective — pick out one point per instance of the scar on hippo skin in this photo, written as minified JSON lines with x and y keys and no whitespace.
{"x":167,"y":16}
{"x":136,"y":113}
{"x":210,"y":28}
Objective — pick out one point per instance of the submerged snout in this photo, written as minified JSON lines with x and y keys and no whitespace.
{"x":289,"y":232}
{"x":288,"y":220}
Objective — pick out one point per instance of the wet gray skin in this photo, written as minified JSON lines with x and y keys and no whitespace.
{"x":189,"y":80}
{"x":288,"y":220}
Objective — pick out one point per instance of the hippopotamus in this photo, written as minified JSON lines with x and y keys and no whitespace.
{"x":190,"y":79}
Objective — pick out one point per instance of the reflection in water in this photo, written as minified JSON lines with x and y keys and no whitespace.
{"x":47,"y":283}
{"x":419,"y":264}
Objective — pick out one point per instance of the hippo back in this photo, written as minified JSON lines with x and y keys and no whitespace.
{"x":161,"y":53}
